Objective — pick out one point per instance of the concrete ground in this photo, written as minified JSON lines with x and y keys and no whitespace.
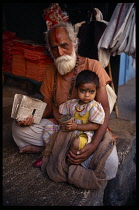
{"x":21,"y":188}
{"x":127,"y":100}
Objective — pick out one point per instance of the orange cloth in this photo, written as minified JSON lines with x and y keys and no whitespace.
{"x":29,"y":60}
{"x":63,"y":86}
{"x":36,"y":71}
{"x":19,"y":65}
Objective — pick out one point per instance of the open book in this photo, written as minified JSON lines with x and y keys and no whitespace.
{"x":25,"y":106}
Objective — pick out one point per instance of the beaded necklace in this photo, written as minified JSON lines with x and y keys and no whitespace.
{"x":71,"y":87}
{"x":80,"y":108}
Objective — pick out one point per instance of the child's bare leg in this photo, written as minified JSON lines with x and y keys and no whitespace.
{"x":74,"y":148}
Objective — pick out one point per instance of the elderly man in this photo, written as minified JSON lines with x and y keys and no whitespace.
{"x":57,"y":87}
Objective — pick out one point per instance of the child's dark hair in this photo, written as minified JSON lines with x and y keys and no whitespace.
{"x":87,"y":76}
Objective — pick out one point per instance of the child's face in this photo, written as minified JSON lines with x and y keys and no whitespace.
{"x":86,"y":92}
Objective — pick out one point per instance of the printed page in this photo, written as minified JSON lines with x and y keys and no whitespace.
{"x":16,"y":103}
{"x":30,"y":106}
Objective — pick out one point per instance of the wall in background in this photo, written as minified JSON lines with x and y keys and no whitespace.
{"x":126,"y":70}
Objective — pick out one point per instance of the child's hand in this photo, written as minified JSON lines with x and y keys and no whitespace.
{"x":71,"y":126}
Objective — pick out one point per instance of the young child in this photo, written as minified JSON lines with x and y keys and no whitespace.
{"x":88,"y":113}
{"x":82,"y":115}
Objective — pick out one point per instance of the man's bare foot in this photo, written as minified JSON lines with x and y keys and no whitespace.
{"x":31,"y":149}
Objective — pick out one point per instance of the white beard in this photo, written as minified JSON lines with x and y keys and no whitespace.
{"x":65,"y":63}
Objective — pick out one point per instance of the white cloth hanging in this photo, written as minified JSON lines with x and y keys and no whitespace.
{"x":77,"y":26}
{"x":99,"y":16}
{"x":119,"y":35}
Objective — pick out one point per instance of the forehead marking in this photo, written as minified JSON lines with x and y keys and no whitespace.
{"x":55,"y":35}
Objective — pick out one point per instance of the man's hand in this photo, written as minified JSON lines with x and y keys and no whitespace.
{"x":82,"y":154}
{"x":26,"y":122}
